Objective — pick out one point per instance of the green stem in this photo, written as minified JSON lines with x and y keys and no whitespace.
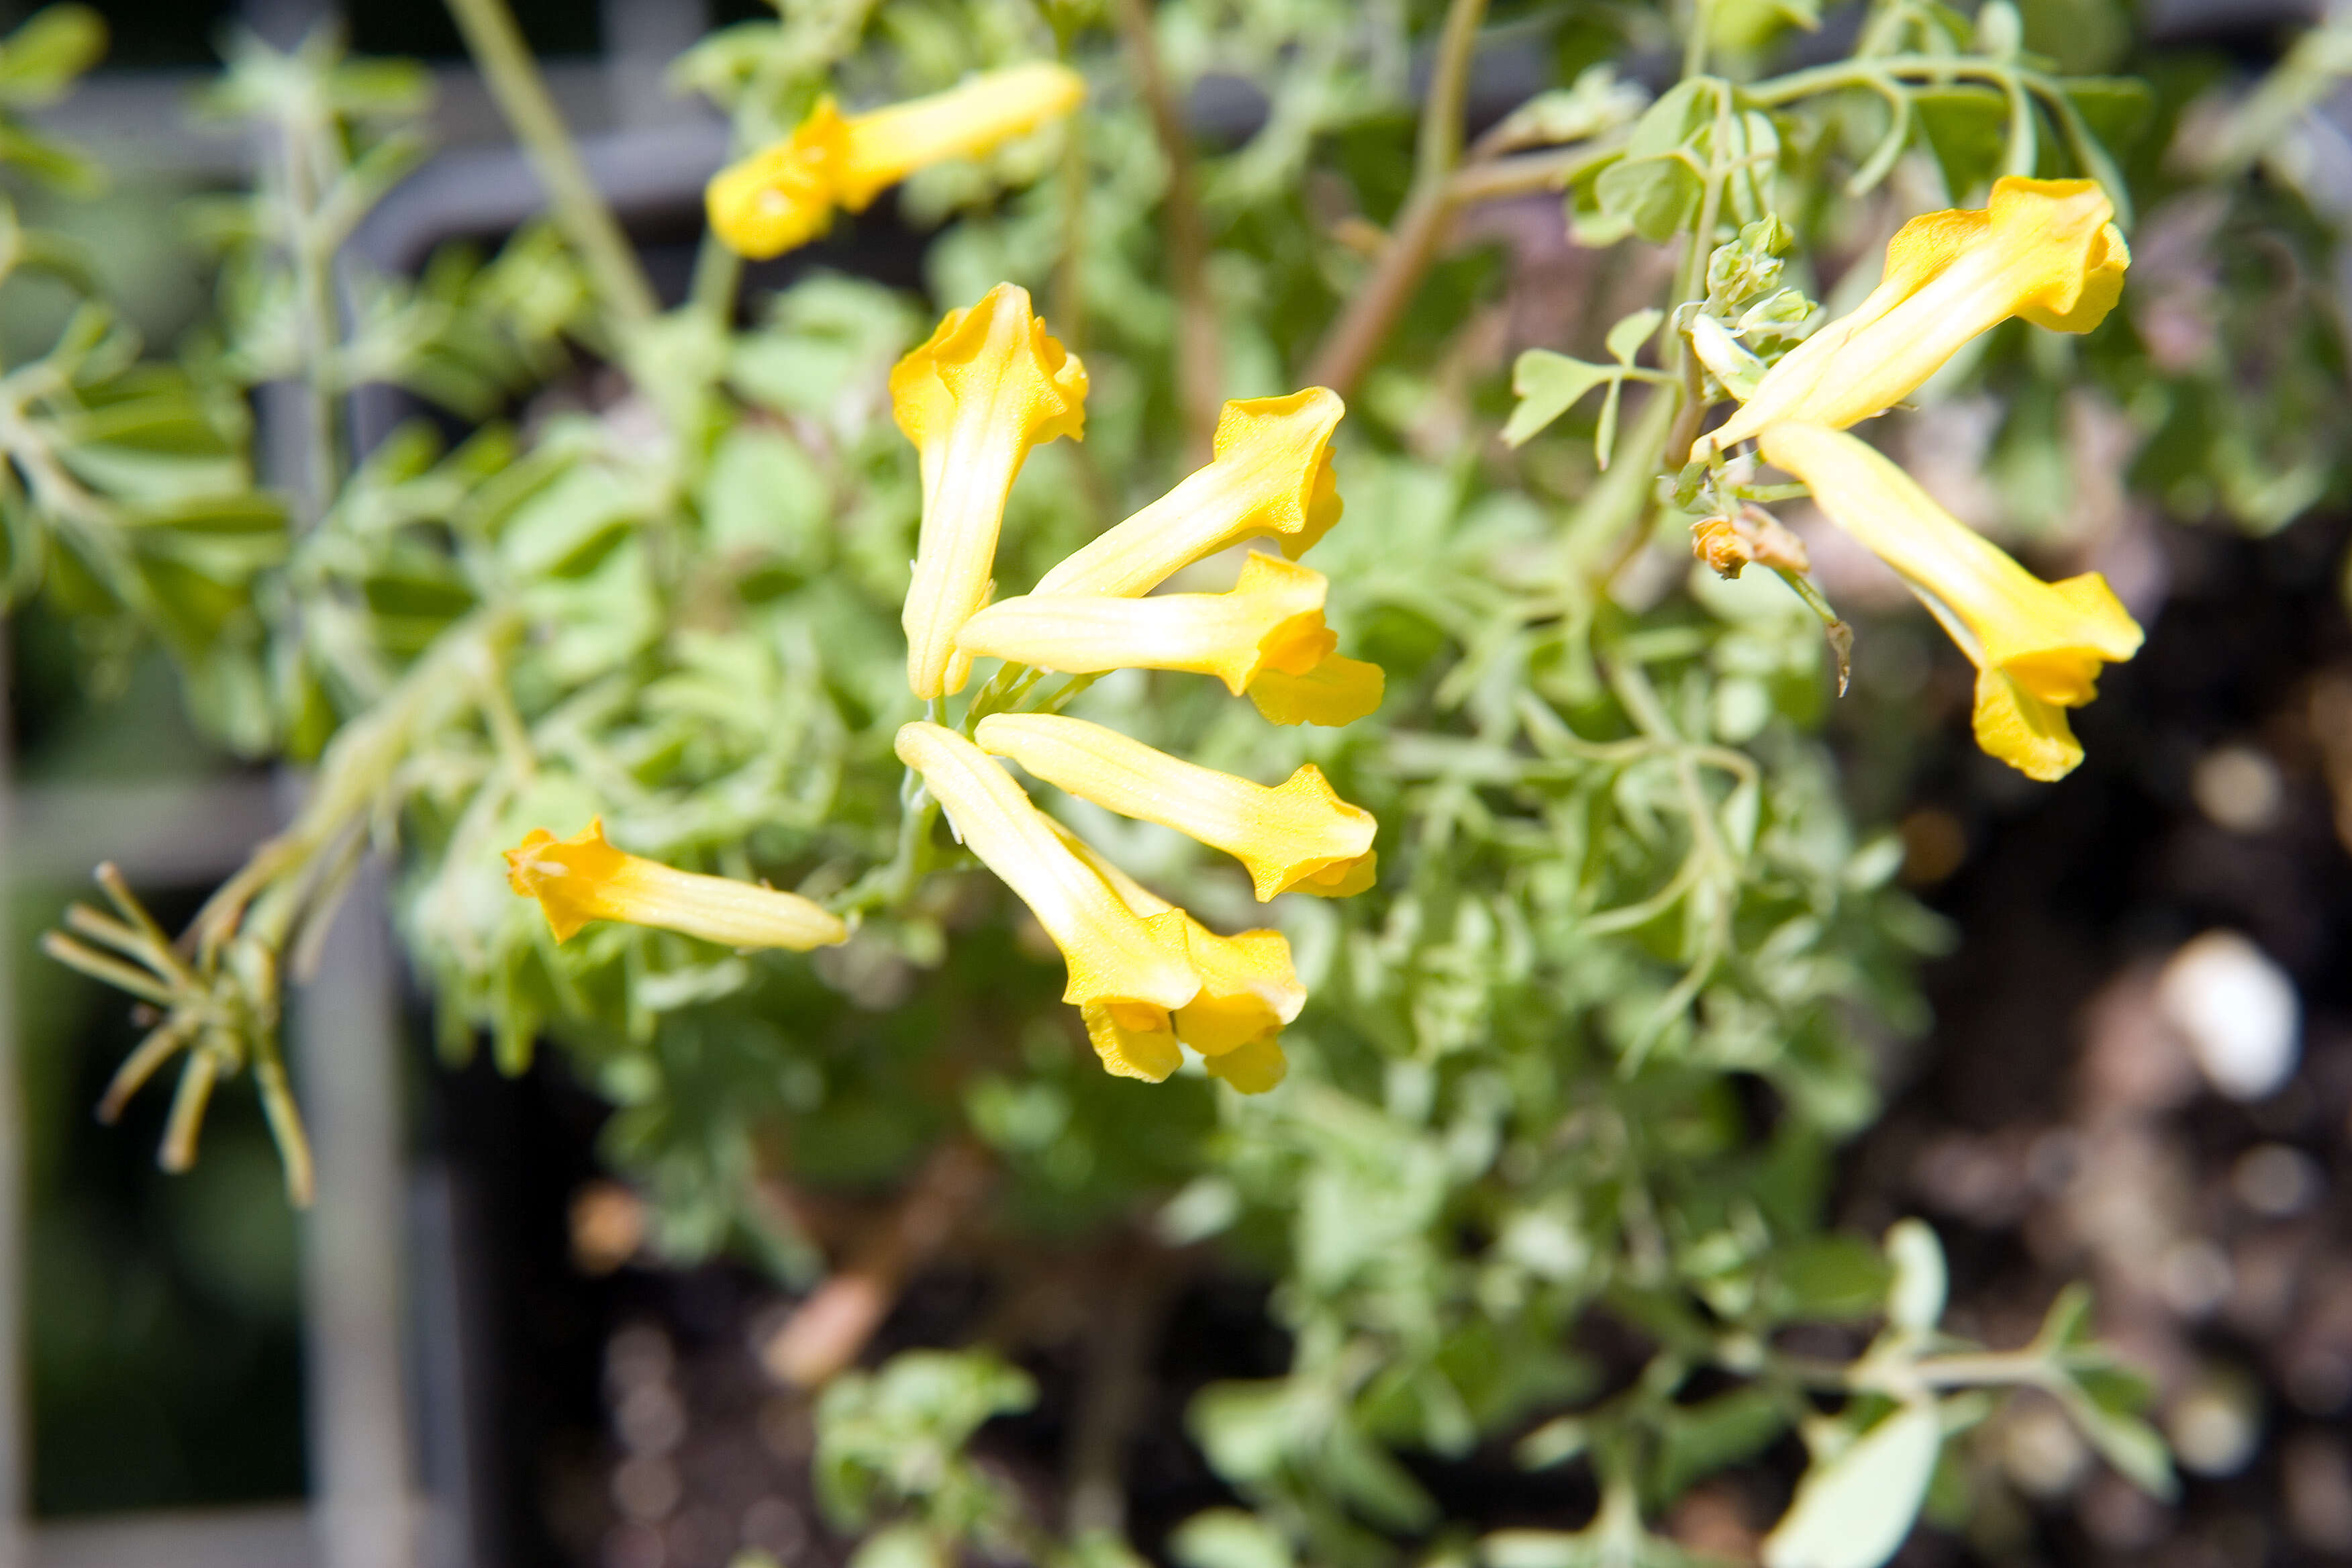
{"x":506,"y":64}
{"x":1439,"y":148}
{"x":718,"y":272}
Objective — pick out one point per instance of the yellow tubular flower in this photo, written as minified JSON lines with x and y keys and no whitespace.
{"x":585,"y":879}
{"x":1249,"y":988}
{"x":2038,"y":647}
{"x":989,"y":386}
{"x":1297,"y":836}
{"x":1128,"y":972}
{"x":2045,"y":250}
{"x":1272,"y":473}
{"x":784,"y":196}
{"x":1273,"y":620}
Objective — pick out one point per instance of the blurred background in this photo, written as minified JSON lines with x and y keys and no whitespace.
{"x":2141,"y":1069}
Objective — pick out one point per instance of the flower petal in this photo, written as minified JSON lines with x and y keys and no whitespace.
{"x":2045,"y":249}
{"x":1115,"y":957}
{"x":2046,"y":641}
{"x":1253,"y":1068}
{"x":1297,"y":834}
{"x":1337,"y":690}
{"x":1273,"y":617}
{"x":1272,"y":473}
{"x":585,"y":879}
{"x":990,"y":384}
{"x":783,"y":196}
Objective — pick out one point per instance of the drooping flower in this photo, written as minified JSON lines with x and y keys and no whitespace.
{"x":785,"y":196}
{"x":990,"y":384}
{"x":1128,"y":972}
{"x":1271,"y":475}
{"x":2038,"y":647}
{"x":1271,"y":624}
{"x":1297,"y":836}
{"x":2047,"y":250}
{"x":586,"y":878}
{"x":1249,"y":988}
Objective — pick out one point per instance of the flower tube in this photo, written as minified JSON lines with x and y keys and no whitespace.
{"x":1127,"y":973}
{"x":2047,"y":250}
{"x":990,"y":384}
{"x":785,"y":196}
{"x":586,"y":878}
{"x":1296,"y":836}
{"x":1271,"y":474}
{"x":2038,"y":647}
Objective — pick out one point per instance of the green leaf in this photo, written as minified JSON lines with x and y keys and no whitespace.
{"x":1604,"y":429}
{"x":1244,"y":1428}
{"x":1966,"y":128}
{"x":2116,"y":108}
{"x":1549,"y":384}
{"x":1854,"y":1511}
{"x":2128,"y":1443}
{"x":1653,"y":197}
{"x":40,"y":60}
{"x":1228,"y":1538}
{"x":1626,"y":338}
{"x":1915,"y":1298}
{"x":1838,"y":1278}
{"x":901,"y":1546}
{"x":1698,"y":1440}
{"x":1538,"y":1549}
{"x":51,"y":161}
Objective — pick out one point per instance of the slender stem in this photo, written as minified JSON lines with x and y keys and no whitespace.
{"x":304,"y":136}
{"x":506,"y":64}
{"x":1695,"y":44}
{"x":1199,"y":370}
{"x":1346,"y":350}
{"x":1439,"y":149}
{"x":718,"y":272}
{"x":1374,"y":310}
{"x":1488,"y":180}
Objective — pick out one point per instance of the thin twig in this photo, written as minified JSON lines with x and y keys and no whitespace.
{"x":506,"y":64}
{"x":1200,"y":373}
{"x":1347,"y":352}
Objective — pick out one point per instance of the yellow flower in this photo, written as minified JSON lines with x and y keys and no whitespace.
{"x":1271,"y":474}
{"x":2045,"y":250}
{"x":785,"y":196}
{"x":2038,"y":647}
{"x":989,"y":386}
{"x":585,"y":879}
{"x":1296,"y":836}
{"x":1249,"y":989}
{"x":1128,"y":972}
{"x":1270,"y":624}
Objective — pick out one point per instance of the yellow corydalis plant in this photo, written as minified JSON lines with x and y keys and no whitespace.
{"x":990,"y":384}
{"x":1270,"y":625}
{"x":1297,"y":837}
{"x":2038,"y":647}
{"x":586,"y":878}
{"x":1147,"y":978}
{"x":2047,"y":250}
{"x":785,"y":196}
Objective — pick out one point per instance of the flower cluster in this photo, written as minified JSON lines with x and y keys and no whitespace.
{"x":785,"y":196}
{"x":1147,"y":978}
{"x":2047,"y":250}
